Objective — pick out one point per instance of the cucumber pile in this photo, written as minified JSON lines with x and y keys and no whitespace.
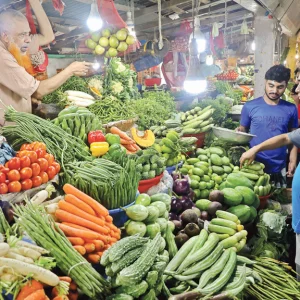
{"x":149,"y":215}
{"x":197,"y":120}
{"x":150,"y":163}
{"x":134,"y":266}
{"x":208,"y":263}
{"x":78,"y":121}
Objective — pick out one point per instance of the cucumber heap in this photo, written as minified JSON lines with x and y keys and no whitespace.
{"x":208,"y":263}
{"x":150,"y":163}
{"x":78,"y":121}
{"x":135,"y":268}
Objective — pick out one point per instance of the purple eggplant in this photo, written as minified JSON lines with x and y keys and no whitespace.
{"x":173,"y":216}
{"x":176,"y":205}
{"x":186,"y":203}
{"x":181,"y":187}
{"x":176,"y":175}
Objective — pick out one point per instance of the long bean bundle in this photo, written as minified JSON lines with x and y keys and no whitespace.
{"x":43,"y":230}
{"x":113,"y":184}
{"x":277,"y":281}
{"x":29,"y":128}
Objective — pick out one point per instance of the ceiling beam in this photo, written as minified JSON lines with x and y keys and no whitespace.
{"x":120,"y":7}
{"x":62,"y":20}
{"x":251,"y":6}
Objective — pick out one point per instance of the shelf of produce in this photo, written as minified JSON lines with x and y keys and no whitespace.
{"x":145,"y":185}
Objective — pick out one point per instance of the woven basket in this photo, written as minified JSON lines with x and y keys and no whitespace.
{"x":123,"y":125}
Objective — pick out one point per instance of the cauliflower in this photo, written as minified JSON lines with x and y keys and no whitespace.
{"x":96,"y":85}
{"x":119,"y":67}
{"x":130,"y":82}
{"x":117,"y":87}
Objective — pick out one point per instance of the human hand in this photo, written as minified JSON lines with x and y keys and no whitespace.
{"x":239,"y":129}
{"x":79,"y":68}
{"x":291,"y":169}
{"x":248,"y":157}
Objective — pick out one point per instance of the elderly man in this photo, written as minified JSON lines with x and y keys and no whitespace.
{"x":17,"y":86}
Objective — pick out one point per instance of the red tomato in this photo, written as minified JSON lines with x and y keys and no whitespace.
{"x":44,"y":177}
{"x":3,"y":188}
{"x":40,"y":146}
{"x":1,"y":167}
{"x":14,"y":187}
{"x":51,"y":172}
{"x":26,"y":147}
{"x":43,"y":163}
{"x":36,"y":181}
{"x":6,"y":165}
{"x":50,"y":158}
{"x":33,"y":156}
{"x":2,"y":177}
{"x":25,"y":162}
{"x":13,"y":175}
{"x":14,"y":163}
{"x":36,"y":170}
{"x":5,"y":170}
{"x":23,"y":153}
{"x":40,"y":153}
{"x":26,"y":184}
{"x":56,"y":166}
{"x":26,"y":173}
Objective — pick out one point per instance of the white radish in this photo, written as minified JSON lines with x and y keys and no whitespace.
{"x":36,"y":272}
{"x":80,"y":101}
{"x":43,"y":195}
{"x":19,"y":257}
{"x":32,"y":246}
{"x":4,"y":248}
{"x":26,"y":252}
{"x":55,"y":200}
{"x":51,"y":208}
{"x":79,"y":95}
{"x":8,"y":277}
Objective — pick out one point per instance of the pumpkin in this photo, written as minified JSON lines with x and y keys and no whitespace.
{"x":145,"y":140}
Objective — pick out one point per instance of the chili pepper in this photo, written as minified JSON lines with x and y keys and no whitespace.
{"x":99,"y":148}
{"x":96,"y":136}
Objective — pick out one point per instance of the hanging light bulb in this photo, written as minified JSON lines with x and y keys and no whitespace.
{"x":96,"y":64}
{"x":209,"y":60}
{"x":130,"y":24}
{"x":193,"y":83}
{"x":297,"y":56}
{"x":199,"y":36}
{"x":253,"y":46}
{"x":94,"y":21}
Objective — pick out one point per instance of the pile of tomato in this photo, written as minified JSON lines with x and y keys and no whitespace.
{"x":32,"y":167}
{"x":229,"y":75}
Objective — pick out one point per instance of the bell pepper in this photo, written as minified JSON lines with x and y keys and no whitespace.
{"x":99,"y":148}
{"x":113,"y":139}
{"x":96,"y":136}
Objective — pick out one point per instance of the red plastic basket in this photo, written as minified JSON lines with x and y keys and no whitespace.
{"x":199,"y":136}
{"x":145,"y":185}
{"x":152,"y":81}
{"x":263,"y":201}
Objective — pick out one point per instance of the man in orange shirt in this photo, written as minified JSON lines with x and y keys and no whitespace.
{"x":17,"y":86}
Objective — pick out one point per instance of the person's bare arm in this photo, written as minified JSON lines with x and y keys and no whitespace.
{"x":270,"y":144}
{"x":46,"y":34}
{"x":50,"y":85}
{"x":293,"y":160}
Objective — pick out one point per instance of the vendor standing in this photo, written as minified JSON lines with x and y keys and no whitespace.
{"x":269,"y":116}
{"x":17,"y":86}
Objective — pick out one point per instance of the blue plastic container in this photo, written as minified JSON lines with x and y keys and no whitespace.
{"x":173,"y":168}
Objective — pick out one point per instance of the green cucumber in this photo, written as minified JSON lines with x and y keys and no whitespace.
{"x":221,"y":229}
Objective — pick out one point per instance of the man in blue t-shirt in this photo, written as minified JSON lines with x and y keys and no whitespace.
{"x":269,"y":116}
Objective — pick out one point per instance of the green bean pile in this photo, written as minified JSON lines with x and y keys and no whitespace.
{"x":29,"y":128}
{"x":277,"y":281}
{"x":112,"y":184}
{"x":111,"y":109}
{"x":42,"y":229}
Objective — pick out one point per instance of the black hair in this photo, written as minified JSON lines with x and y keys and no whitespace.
{"x":293,"y":90}
{"x":297,"y":71}
{"x":278,"y":73}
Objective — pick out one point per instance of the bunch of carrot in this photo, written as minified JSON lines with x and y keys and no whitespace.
{"x":65,"y":291}
{"x":86,"y":223}
{"x":126,"y":141}
{"x":32,"y":290}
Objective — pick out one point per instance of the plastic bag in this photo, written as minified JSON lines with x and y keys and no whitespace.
{"x":164,"y":186}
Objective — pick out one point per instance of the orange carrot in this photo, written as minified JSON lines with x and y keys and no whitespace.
{"x":100,"y":253}
{"x":109,"y":219}
{"x":29,"y":288}
{"x":111,"y":226}
{"x":55,"y":292}
{"x":137,"y":148}
{"x":93,"y":258}
{"x":74,"y":232}
{"x":126,"y":142}
{"x":61,"y":297}
{"x":70,"y":218}
{"x":96,"y":206}
{"x":80,"y":249}
{"x":73,"y":295}
{"x":65,"y":278}
{"x":73,"y":286}
{"x":98,"y":245}
{"x":37,"y":295}
{"x":129,"y":152}
{"x":130,"y":148}
{"x":80,"y":204}
{"x":76,"y":241}
{"x":122,"y":134}
{"x":115,"y":235}
{"x":113,"y":240}
{"x":68,"y":207}
{"x":106,"y":247}
{"x":89,"y":247}
{"x":104,"y":238}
